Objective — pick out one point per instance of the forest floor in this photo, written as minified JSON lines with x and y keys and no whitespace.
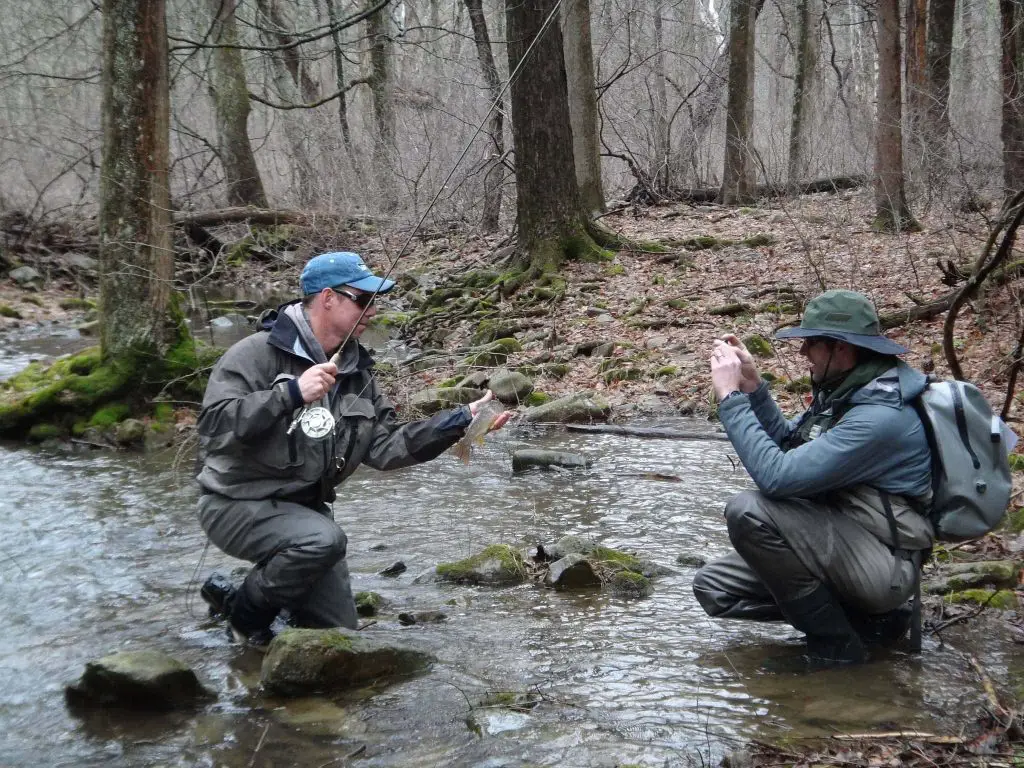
{"x":746,"y":271}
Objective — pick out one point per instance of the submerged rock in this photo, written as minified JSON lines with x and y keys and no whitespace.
{"x":535,"y":457}
{"x":139,"y":680}
{"x":368,"y":603}
{"x":499,"y":564}
{"x":302,"y":661}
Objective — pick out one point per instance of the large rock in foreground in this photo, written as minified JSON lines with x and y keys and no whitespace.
{"x":302,"y":661}
{"x":146,"y":680}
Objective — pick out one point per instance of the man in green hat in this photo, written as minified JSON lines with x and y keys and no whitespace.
{"x":830,"y":541}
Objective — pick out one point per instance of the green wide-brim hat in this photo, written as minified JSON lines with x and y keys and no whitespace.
{"x":847,"y":316}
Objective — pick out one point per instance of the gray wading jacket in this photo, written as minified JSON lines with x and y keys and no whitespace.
{"x":878,"y":444}
{"x":246,"y":452}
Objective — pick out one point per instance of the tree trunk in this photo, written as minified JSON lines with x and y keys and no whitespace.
{"x":339,"y":75}
{"x":384,"y":148}
{"x":549,"y":213}
{"x":806,"y":61}
{"x":231,"y":103}
{"x":494,"y":175}
{"x":891,"y":211}
{"x":915,"y":73}
{"x":583,"y":115}
{"x":738,"y":178}
{"x":662,"y":143}
{"x":1012,"y":16}
{"x":295,"y":86}
{"x":136,"y":255}
{"x":939,"y":55}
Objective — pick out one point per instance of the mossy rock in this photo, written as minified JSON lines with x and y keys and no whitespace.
{"x":40,"y":433}
{"x":677,"y":303}
{"x":614,"y":270}
{"x":730,"y":310}
{"x":75,"y":303}
{"x":1016,"y":462}
{"x":629,"y":584}
{"x":1003,"y":599}
{"x":622,"y":374}
{"x":799,"y":386}
{"x":388,"y":320}
{"x":304,"y":661}
{"x":536,"y":398}
{"x":498,"y":564}
{"x":666,"y":371}
{"x":495,"y":353}
{"x":759,"y":240}
{"x":491,"y":329}
{"x":1014,"y":521}
{"x":8,"y":311}
{"x":368,"y":603}
{"x":109,"y":415}
{"x":758,"y":345}
{"x":441,"y":296}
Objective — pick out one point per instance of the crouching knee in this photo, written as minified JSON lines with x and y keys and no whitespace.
{"x":743,"y":511}
{"x":706,"y":592}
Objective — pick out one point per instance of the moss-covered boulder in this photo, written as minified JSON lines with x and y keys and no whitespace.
{"x":137,"y":680}
{"x":498,"y":564}
{"x":510,"y":387}
{"x":490,"y":355}
{"x":580,"y":407}
{"x":368,"y":603}
{"x":438,"y":398}
{"x":957,"y":577}
{"x":1002,"y":599}
{"x":303,"y":661}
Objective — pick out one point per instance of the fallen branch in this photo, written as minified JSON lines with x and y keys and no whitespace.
{"x":645,"y":432}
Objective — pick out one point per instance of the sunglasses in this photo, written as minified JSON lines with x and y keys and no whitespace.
{"x":364,"y":300}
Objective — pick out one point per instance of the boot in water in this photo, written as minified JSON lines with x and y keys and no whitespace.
{"x":218,"y":592}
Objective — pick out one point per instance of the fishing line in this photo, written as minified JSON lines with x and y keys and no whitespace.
{"x":513,"y":76}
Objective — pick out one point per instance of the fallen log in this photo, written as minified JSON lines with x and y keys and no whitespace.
{"x":243,"y":213}
{"x":646,"y":432}
{"x":710,"y":194}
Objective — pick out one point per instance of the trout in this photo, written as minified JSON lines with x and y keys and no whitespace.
{"x":478,"y":427}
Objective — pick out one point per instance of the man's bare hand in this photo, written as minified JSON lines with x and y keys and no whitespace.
{"x":726,"y":370}
{"x":317,"y":381}
{"x":751,"y":379}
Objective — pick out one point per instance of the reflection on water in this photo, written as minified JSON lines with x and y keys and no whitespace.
{"x":98,"y":552}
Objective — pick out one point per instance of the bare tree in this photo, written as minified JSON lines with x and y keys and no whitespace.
{"x":231,"y":104}
{"x":583,"y":115}
{"x":939,"y":54}
{"x":738,"y":178}
{"x":1012,"y":16}
{"x":806,"y":61}
{"x":494,"y":165}
{"x":891,"y":211}
{"x":135,"y":218}
{"x":552,"y":223}
{"x":379,"y":80}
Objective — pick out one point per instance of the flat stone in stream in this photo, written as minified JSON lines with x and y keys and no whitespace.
{"x":302,"y":661}
{"x":580,"y":407}
{"x":137,"y":680}
{"x":536,"y":457}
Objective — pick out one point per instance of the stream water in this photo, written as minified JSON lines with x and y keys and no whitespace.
{"x":101,"y":552}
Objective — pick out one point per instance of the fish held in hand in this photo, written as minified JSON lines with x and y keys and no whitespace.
{"x":478,"y":427}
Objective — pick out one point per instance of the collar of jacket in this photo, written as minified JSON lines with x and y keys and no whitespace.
{"x":285,"y":336}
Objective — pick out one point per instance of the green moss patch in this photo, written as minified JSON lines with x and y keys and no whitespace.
{"x":109,"y":415}
{"x":1003,"y":599}
{"x":1016,"y":462}
{"x":759,"y":346}
{"x":8,"y":311}
{"x":513,"y":566}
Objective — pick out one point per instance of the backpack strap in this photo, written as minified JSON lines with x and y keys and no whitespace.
{"x":916,"y":557}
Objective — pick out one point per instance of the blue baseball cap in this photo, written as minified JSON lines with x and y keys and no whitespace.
{"x":329,"y":270}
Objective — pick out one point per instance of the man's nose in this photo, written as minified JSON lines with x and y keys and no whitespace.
{"x":804,"y":347}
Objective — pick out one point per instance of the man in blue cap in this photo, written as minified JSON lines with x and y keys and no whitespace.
{"x":831,"y":540}
{"x":267,"y":485}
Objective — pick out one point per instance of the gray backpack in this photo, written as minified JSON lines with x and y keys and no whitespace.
{"x":970,"y":446}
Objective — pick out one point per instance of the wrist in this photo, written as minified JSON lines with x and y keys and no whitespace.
{"x":727,"y":395}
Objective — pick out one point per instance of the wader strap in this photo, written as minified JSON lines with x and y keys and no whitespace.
{"x":915,"y":614}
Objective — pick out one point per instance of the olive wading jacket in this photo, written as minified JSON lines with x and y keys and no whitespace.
{"x":245,"y":449}
{"x":877,"y":444}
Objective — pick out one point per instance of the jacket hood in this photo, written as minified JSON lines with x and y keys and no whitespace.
{"x":897,"y":386}
{"x":286,"y":336}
